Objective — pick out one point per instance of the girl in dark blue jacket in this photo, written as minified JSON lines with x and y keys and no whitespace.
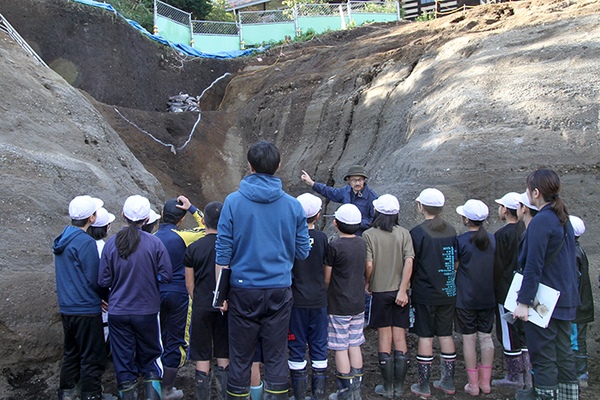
{"x":548,"y":256}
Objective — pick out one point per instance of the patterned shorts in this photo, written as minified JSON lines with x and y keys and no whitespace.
{"x":345,"y":331}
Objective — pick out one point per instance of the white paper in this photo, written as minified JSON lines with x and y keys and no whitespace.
{"x":544,"y":302}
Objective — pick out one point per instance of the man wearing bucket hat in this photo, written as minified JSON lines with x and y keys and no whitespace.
{"x":357,"y":192}
{"x":76,"y":264}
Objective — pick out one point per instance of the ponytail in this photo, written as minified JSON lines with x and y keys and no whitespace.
{"x":547,"y":182}
{"x":128,"y":238}
{"x":437,"y":224}
{"x":480,"y":239}
{"x":560,"y":209}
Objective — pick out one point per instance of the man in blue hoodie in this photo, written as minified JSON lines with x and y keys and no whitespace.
{"x":261,"y":231}
{"x":76,"y":264}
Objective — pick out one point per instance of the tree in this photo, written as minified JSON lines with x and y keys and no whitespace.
{"x":199,"y":8}
{"x":218,"y":12}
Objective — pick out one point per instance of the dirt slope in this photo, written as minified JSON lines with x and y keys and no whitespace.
{"x":469,"y":103}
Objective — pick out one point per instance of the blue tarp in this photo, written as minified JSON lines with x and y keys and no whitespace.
{"x":180,"y":47}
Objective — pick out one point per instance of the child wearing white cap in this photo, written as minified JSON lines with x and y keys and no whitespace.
{"x":98,"y":231}
{"x":345,"y":279}
{"x":390,"y":258}
{"x":585,"y":312}
{"x":133,"y":262}
{"x":475,"y":302}
{"x":434,"y":291}
{"x":76,"y":268}
{"x":526,"y":210}
{"x":308,"y":321}
{"x":505,"y":265}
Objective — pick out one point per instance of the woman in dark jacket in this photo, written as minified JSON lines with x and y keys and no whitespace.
{"x":548,"y":256}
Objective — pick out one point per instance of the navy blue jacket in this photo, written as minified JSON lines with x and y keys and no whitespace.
{"x":345,"y":195}
{"x":542,"y":237}
{"x":76,"y":266}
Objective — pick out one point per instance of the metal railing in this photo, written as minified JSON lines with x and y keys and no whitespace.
{"x":215,"y":28}
{"x":174,"y":14}
{"x":7,"y":28}
{"x":265,"y":17}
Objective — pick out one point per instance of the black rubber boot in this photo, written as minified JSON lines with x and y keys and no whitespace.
{"x":221,"y":374}
{"x":237,"y":392}
{"x":356,"y":382}
{"x":400,"y":369}
{"x":128,"y":390}
{"x":299,"y":378}
{"x":318,"y":383}
{"x":202,"y":385}
{"x":421,"y":388}
{"x":344,"y":384}
{"x":386,"y":367}
{"x":152,"y":387}
{"x":446,"y":383}
{"x":276,"y":391}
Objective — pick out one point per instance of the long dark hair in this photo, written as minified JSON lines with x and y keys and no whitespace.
{"x":547,"y":182}
{"x":437,"y":224}
{"x":480,"y":239}
{"x":97,"y":232}
{"x":128,"y":238}
{"x":384,"y":222}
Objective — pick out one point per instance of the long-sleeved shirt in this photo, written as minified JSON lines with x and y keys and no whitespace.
{"x":134,"y":281}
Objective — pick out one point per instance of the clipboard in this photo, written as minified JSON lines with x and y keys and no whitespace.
{"x":545,"y":301}
{"x":221,"y":288}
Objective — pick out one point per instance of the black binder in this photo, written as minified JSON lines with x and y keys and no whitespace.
{"x":222,"y":288}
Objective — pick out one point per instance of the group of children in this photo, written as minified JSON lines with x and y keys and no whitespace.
{"x":450,"y":282}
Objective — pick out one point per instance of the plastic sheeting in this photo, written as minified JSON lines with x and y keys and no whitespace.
{"x":180,"y":47}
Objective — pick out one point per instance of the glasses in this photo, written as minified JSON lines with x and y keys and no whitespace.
{"x":356,"y":180}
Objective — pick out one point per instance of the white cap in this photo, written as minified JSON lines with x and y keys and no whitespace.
{"x":348,"y":214}
{"x":136,"y":208}
{"x":431,"y":197}
{"x":152,"y":217}
{"x":82,"y":207}
{"x":578,"y":225}
{"x":310,"y":203}
{"x":475,"y":210}
{"x":103,"y":217}
{"x":510,"y":200}
{"x":525,"y":201}
{"x":387,"y":204}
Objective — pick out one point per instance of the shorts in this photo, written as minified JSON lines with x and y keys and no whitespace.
{"x":433,"y":320}
{"x":385,"y":312}
{"x":472,"y":321}
{"x":209,"y":335}
{"x":345,"y":331}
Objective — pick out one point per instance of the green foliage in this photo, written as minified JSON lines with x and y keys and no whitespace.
{"x":425,"y":17}
{"x":292,"y":3}
{"x":218,"y":13}
{"x":387,"y":7}
{"x":141,"y":11}
{"x":199,"y":8}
